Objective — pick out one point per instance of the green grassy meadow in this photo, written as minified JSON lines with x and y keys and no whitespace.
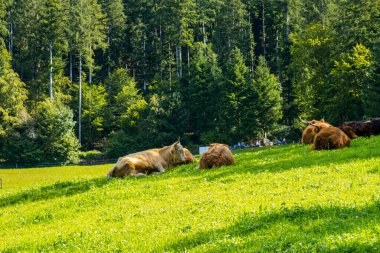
{"x":275,"y":199}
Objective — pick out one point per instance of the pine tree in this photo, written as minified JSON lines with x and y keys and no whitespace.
{"x":202,"y":94}
{"x":88,"y":35}
{"x":12,"y":90}
{"x":54,"y":19}
{"x":233,"y":30}
{"x":124,"y":101}
{"x":30,"y":54}
{"x":116,"y":33}
{"x":237,"y":94}
{"x":268,"y":103}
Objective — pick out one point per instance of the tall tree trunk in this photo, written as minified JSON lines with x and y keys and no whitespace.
{"x":10,"y":38}
{"x":277,"y":57}
{"x":323,"y":11}
{"x":51,"y":71}
{"x":204,"y":33}
{"x":90,"y":71}
{"x":80,"y":101}
{"x":170,"y":68}
{"x":71,"y":65}
{"x":161,"y":46}
{"x":188,"y":60}
{"x":180,"y":54}
{"x":180,"y":60}
{"x":263,"y":41}
{"x":287,"y":22}
{"x":229,"y":49}
{"x":176,"y":60}
{"x":109,"y":56}
{"x":265,"y":137}
{"x":144,"y":62}
{"x":252,"y":62}
{"x":90,"y":76}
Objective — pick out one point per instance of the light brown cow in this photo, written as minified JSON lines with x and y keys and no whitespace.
{"x":189,"y":158}
{"x":312,"y":129}
{"x":216,"y":156}
{"x":148,"y":161}
{"x":330,"y":138}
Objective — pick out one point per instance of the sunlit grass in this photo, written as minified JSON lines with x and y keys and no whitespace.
{"x":274,"y":199}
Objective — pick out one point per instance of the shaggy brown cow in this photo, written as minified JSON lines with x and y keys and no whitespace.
{"x":312,"y":129}
{"x":355,"y":129}
{"x":349,"y":131}
{"x":189,"y":157}
{"x":216,"y":156}
{"x":148,"y":161}
{"x":330,"y":138}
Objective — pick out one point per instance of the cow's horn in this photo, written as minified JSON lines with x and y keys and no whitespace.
{"x":304,"y":121}
{"x":179,"y":138}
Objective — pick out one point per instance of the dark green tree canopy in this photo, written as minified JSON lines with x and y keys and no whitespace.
{"x":138,"y":74}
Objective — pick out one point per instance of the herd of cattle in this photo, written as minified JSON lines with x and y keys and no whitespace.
{"x":156,"y":161}
{"x":319,"y":133}
{"x":325,"y":136}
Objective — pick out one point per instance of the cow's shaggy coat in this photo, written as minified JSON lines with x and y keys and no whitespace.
{"x":312,"y":129}
{"x":330,"y":138}
{"x":216,"y":156}
{"x":148,"y":161}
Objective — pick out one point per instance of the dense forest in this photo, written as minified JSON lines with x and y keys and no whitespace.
{"x":124,"y":75}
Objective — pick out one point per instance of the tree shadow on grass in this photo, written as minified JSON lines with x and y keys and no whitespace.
{"x":295,"y":229}
{"x":65,"y":188}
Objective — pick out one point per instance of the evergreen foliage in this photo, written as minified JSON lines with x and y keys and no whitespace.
{"x":47,"y":137}
{"x":146,"y":72}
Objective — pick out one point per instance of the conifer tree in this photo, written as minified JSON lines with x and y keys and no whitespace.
{"x":13,"y":92}
{"x":88,"y":35}
{"x":116,"y":33}
{"x":202,"y":93}
{"x":233,"y":30}
{"x":268,"y":103}
{"x":54,"y":20}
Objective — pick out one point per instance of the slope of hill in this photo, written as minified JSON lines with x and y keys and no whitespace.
{"x":275,"y":199}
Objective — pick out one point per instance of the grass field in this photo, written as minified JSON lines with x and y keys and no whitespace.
{"x":276,"y":199}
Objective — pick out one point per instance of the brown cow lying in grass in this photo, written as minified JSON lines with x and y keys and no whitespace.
{"x":148,"y":161}
{"x":349,"y":131}
{"x":312,"y":129}
{"x":330,"y":138}
{"x":216,"y":156}
{"x":189,"y":158}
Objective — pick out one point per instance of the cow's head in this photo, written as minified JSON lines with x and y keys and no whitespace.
{"x":111,"y":173}
{"x":116,"y":171}
{"x":319,"y":124}
{"x":177,"y":153}
{"x":317,"y":128}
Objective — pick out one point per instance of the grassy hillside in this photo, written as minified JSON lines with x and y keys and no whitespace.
{"x":275,"y":199}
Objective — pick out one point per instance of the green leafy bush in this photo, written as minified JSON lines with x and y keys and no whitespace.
{"x":47,"y":137}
